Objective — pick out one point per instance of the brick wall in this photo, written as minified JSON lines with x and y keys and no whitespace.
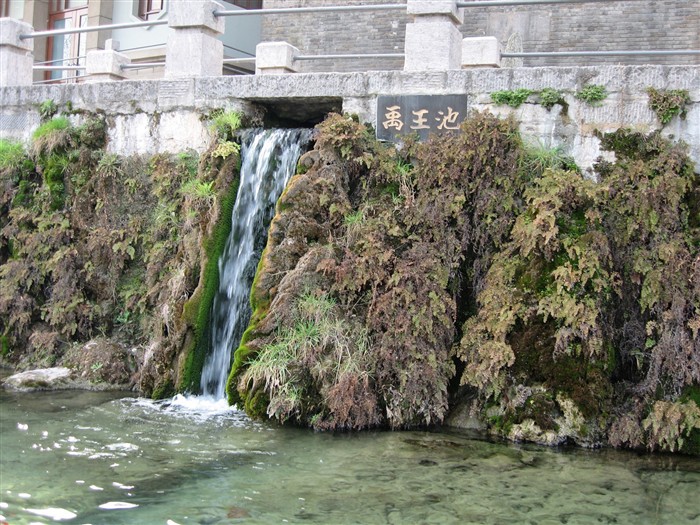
{"x":614,"y":25}
{"x":339,"y":33}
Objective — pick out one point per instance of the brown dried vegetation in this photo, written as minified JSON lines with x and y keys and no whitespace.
{"x":475,"y":256}
{"x":93,"y":244}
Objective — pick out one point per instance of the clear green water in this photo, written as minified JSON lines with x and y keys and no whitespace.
{"x":77,"y":457}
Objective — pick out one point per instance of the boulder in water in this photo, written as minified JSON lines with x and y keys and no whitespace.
{"x":41,"y":379}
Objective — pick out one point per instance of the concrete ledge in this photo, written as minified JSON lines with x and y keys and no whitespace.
{"x":141,"y":109}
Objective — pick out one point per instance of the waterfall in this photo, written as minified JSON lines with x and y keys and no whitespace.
{"x":269,"y":158}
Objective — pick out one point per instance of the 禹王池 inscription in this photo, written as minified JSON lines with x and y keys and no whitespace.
{"x":398,"y":116}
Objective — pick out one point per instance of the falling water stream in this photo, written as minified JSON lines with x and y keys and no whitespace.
{"x":269,"y":159}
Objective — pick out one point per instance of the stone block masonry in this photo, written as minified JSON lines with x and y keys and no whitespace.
{"x":617,"y":25}
{"x":148,"y":117}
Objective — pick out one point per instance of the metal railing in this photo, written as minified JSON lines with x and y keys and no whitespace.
{"x":89,"y":29}
{"x":350,"y":56}
{"x":632,"y":53}
{"x":314,"y":10}
{"x":509,"y":3}
{"x":142,"y":65}
{"x":355,"y":56}
{"x":58,"y":68}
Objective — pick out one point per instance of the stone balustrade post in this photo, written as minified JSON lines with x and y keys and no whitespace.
{"x":482,"y":51}
{"x":16,"y":54}
{"x":193,"y":47}
{"x":275,"y":58}
{"x":106,"y":65}
{"x":433,"y":39}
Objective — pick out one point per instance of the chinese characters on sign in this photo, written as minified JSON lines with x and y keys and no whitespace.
{"x":419,"y":114}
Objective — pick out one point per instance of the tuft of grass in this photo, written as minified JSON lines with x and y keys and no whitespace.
{"x":538,"y":158}
{"x":51,"y":136}
{"x":354,"y":218}
{"x":52,"y":126}
{"x":47,"y":110}
{"x":109,"y":165}
{"x":511,"y":98}
{"x":225,"y":124}
{"x":198,"y":189}
{"x":11,"y":154}
{"x":549,"y":97}
{"x":592,"y":94}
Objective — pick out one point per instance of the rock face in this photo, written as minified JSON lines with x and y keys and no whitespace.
{"x":472,"y":268}
{"x":355,"y":298}
{"x":94,"y":243}
{"x":104,"y":362}
{"x":60,"y":378}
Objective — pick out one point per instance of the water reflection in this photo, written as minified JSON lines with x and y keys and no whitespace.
{"x":90,"y":458}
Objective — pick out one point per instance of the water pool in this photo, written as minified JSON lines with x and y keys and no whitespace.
{"x":102,"y":458}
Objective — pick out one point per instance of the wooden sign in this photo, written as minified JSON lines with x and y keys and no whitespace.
{"x":420,"y":114}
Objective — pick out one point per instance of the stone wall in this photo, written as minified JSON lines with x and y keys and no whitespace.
{"x":147,"y":117}
{"x":607,"y":26}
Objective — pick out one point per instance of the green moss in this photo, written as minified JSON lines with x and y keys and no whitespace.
{"x":24,"y":195}
{"x":691,"y":444}
{"x":54,"y":172}
{"x":11,"y":154}
{"x":511,"y":98}
{"x":581,"y":378}
{"x":256,"y":405}
{"x":56,"y":124}
{"x":197,"y":310}
{"x":5,"y":347}
{"x":163,"y":389}
{"x":592,"y":94}
{"x":549,"y":97}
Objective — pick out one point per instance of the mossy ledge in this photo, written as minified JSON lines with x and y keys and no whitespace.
{"x":474,"y":269}
{"x":197,"y":311}
{"x":96,"y":246}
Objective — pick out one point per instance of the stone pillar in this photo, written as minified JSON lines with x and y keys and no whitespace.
{"x":16,"y":58}
{"x":275,"y":58}
{"x":482,"y":51}
{"x":99,"y":14}
{"x":106,"y":65}
{"x":433,"y":39}
{"x":193,"y":47}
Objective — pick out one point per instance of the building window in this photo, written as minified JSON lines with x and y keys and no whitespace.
{"x":150,"y":8}
{"x":66,"y":50}
{"x":64,"y":5}
{"x":248,"y":4}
